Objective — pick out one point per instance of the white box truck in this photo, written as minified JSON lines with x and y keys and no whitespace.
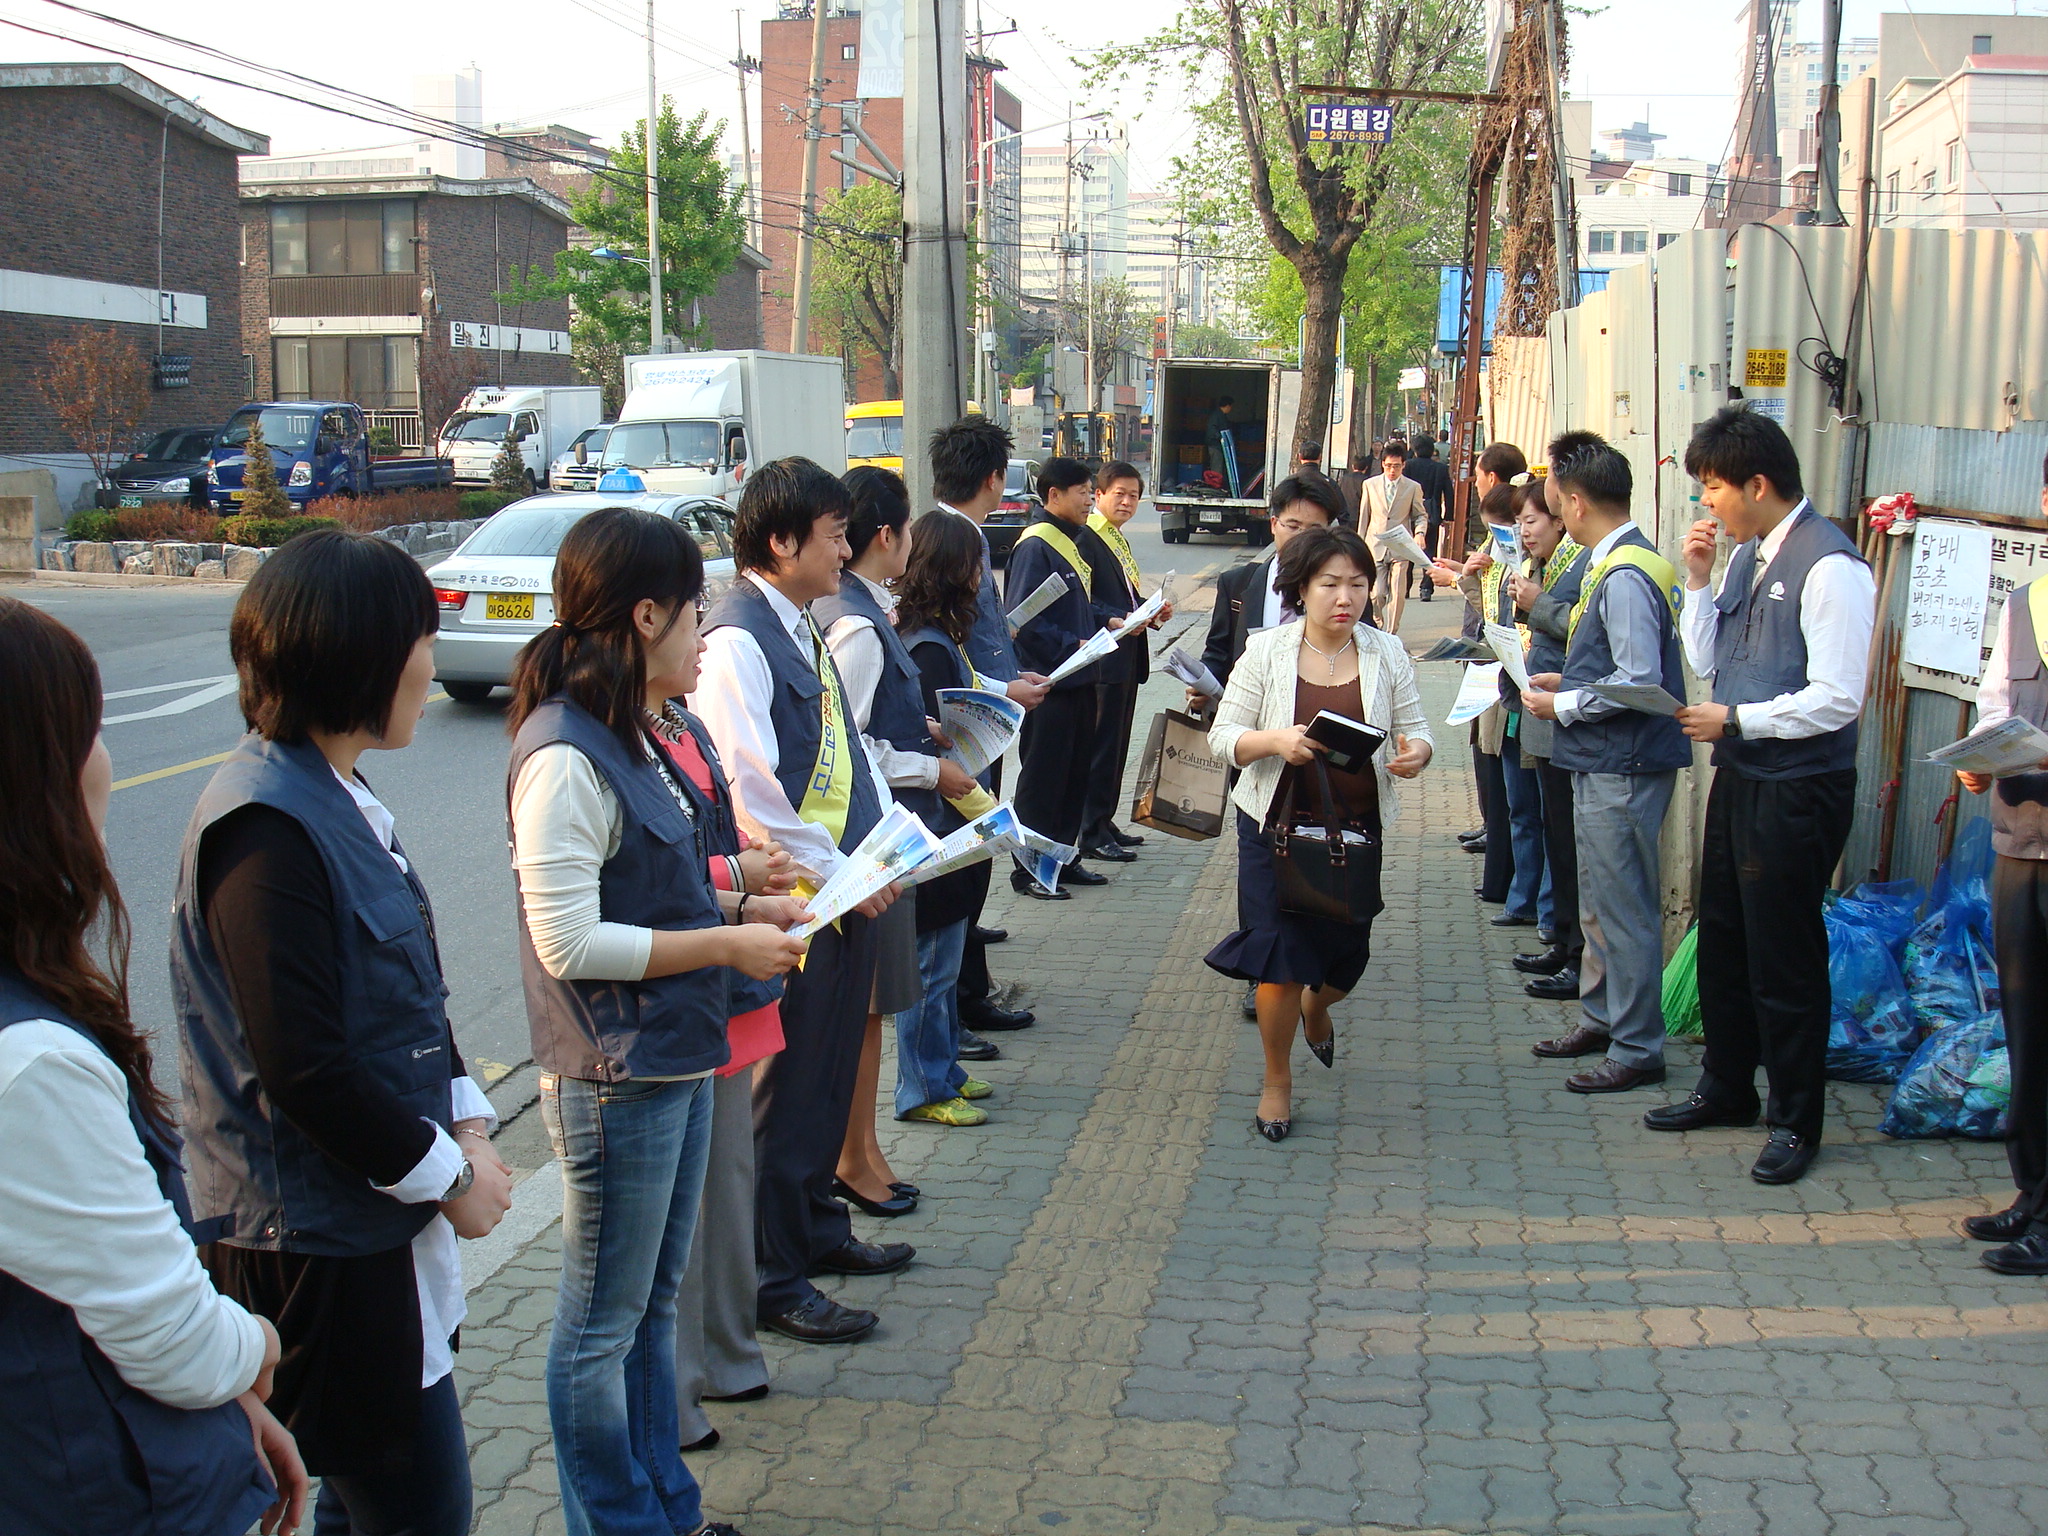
{"x":1222,"y":434}
{"x":544,"y":418}
{"x":694,"y":421}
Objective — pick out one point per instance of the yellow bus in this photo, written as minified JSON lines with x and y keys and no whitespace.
{"x":874,"y":435}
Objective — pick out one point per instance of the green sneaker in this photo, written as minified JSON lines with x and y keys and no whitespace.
{"x":975,"y":1088}
{"x":948,"y":1112}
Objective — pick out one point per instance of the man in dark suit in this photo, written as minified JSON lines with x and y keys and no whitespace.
{"x":1118,"y":490}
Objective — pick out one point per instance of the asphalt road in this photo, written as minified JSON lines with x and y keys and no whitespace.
{"x":171,"y":715}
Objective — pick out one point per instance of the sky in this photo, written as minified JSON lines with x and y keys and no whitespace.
{"x":581,"y":63}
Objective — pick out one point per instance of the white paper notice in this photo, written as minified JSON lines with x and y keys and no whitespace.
{"x":2011,"y":746}
{"x":1041,"y":598}
{"x":1479,"y":692}
{"x":1647,"y":697}
{"x":1946,"y":591}
{"x":1506,"y":643}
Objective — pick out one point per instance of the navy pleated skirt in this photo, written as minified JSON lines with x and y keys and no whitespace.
{"x":1281,"y":946}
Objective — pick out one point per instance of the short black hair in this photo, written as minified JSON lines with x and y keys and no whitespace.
{"x":1500,"y":504}
{"x":323,"y":631}
{"x":1587,"y":463}
{"x":1310,"y":452}
{"x":783,"y":499}
{"x":964,"y":455}
{"x":879,"y":499}
{"x":1115,"y":470}
{"x":1736,"y":444}
{"x":1316,"y":490}
{"x":1062,"y":475}
{"x":1311,"y":551}
{"x":1225,"y":402}
{"x":1503,"y":461}
{"x":1425,"y":447}
{"x":1394,"y":448}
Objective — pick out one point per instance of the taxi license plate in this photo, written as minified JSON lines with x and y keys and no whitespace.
{"x":509,"y":605}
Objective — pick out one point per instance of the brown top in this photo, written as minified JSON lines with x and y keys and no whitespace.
{"x":1358,"y":794}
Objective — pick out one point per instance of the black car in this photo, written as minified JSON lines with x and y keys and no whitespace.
{"x":1013,"y":512}
{"x":171,"y":466}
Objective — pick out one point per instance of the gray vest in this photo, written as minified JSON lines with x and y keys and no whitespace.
{"x":258,"y":1174}
{"x":897,"y":714}
{"x":665,"y":1026}
{"x":1546,"y":650}
{"x":2019,"y":803}
{"x":796,"y":710}
{"x":1760,"y":652}
{"x":1630,"y":741}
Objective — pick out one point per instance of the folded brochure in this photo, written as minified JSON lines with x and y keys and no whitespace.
{"x":1506,"y":643}
{"x":1647,"y":697}
{"x":1188,"y":669}
{"x":1477,"y":694}
{"x":2010,"y":746}
{"x":980,"y":723}
{"x":896,"y":845}
{"x":1037,"y":601}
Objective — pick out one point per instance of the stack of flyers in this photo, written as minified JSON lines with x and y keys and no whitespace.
{"x":1149,"y":609}
{"x":897,"y":844}
{"x":1041,"y":858}
{"x":1507,"y":544}
{"x":980,"y":723}
{"x":1187,"y":669}
{"x":982,"y":838}
{"x":1040,"y":598}
{"x":1098,"y":645}
{"x":1397,"y":543}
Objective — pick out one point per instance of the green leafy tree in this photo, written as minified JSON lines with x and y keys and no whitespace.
{"x":1207,"y":341}
{"x":701,"y":233}
{"x":857,"y":278}
{"x":262,"y":496}
{"x":1118,"y":324}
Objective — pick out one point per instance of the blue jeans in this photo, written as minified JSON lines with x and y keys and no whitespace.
{"x":1529,"y":891}
{"x":928,"y":1036}
{"x":429,"y":1497}
{"x":633,"y":1156}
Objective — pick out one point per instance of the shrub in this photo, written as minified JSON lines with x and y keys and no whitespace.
{"x":254,"y":532}
{"x":157,"y":520}
{"x":97,"y":527}
{"x":508,"y":469}
{"x":368,"y":514}
{"x":262,"y":496}
{"x":484,"y":503}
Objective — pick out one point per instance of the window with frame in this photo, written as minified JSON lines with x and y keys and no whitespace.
{"x":1955,"y":161}
{"x":1891,"y":193}
{"x":847,"y":51}
{"x":1635,"y":242}
{"x":378,"y":373}
{"x":1599,"y":242}
{"x":1981,"y":43}
{"x":1927,"y":182}
{"x":1664,"y":240}
{"x":1678,"y":184}
{"x":354,"y":238}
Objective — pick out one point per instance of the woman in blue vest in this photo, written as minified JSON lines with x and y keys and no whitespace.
{"x":336,"y":1140}
{"x":129,"y":1386}
{"x":625,"y":946}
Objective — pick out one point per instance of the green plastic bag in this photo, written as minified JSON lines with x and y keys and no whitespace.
{"x":1682,"y":987}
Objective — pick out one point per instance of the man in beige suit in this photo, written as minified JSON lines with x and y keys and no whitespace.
{"x":1391,"y":499}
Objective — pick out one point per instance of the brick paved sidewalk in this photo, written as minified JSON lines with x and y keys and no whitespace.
{"x":1458,"y":1299}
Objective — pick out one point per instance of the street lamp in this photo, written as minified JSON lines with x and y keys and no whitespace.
{"x":657,"y":321}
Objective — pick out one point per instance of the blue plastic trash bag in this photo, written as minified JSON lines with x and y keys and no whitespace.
{"x":1988,"y":1097}
{"x":1889,"y":908}
{"x":1871,"y":1026}
{"x":1930,"y":1099}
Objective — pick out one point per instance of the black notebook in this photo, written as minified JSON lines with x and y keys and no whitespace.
{"x":1351,"y":742}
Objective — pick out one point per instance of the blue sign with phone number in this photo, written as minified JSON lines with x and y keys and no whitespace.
{"x":1350,"y":125}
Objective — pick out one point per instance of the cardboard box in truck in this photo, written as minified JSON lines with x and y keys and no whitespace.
{"x":1222,"y":434}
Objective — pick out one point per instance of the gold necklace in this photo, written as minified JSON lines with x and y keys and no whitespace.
{"x":1329,"y":659}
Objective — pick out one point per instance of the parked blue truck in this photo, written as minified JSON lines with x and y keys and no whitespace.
{"x":321,"y":448}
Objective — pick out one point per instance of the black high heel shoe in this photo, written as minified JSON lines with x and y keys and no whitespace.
{"x":1326,"y":1052}
{"x":902,"y":1205}
{"x":1272,"y":1130}
{"x":910,"y":1190}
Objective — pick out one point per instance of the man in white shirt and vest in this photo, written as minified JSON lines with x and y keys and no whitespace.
{"x":1786,"y":643}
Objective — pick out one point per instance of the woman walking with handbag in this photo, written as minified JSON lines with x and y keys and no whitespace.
{"x":1310,"y":895}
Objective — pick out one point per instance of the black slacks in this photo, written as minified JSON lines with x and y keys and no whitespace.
{"x":801,"y":1104}
{"x":2019,"y":933}
{"x":1770,"y":848}
{"x":1115,"y":705}
{"x":1561,"y":848}
{"x":1056,"y":747}
{"x":1498,"y":865}
{"x":975,"y":983}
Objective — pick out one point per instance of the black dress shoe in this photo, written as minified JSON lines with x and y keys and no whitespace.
{"x":1127,"y":839}
{"x":1558,"y":987}
{"x":719,"y":1528}
{"x":1999,"y":1226}
{"x":709,"y":1441}
{"x":1078,"y":873}
{"x":2024,"y":1255}
{"x":1612,"y":1077}
{"x":1696,"y":1114}
{"x":1476,"y":835}
{"x":1272,"y":1130}
{"x":751,"y":1395}
{"x":1511,"y":920}
{"x":986,"y":1015}
{"x":902,"y":1205}
{"x":973,"y":1048}
{"x":854,"y":1257}
{"x":818,"y":1319}
{"x":1326,"y":1052}
{"x":1112,"y":853}
{"x":1024,"y":885}
{"x":1549,"y":963}
{"x":990,"y":935}
{"x":1250,"y":1009}
{"x":1785,"y":1159}
{"x":1547,"y":937}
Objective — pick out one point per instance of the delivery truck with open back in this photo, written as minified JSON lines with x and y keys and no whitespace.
{"x":1222,"y":435}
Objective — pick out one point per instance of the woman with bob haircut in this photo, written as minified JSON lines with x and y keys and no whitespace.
{"x":1333,"y":660}
{"x":336,"y":1138}
{"x":628,"y":952}
{"x":131,"y":1387}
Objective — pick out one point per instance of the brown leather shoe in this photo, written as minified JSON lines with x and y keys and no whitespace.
{"x":1612,"y":1077}
{"x":1580,"y":1041}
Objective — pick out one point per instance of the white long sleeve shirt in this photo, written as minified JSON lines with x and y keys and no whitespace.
{"x":1994,"y":690}
{"x":734,"y":687}
{"x":858,"y":653}
{"x":565,"y":825}
{"x":83,"y":1221}
{"x":1837,"y":611}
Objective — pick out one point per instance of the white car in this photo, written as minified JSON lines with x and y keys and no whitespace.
{"x":570,"y":473}
{"x":496,"y":591}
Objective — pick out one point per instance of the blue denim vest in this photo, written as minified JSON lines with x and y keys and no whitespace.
{"x":272,"y":1186}
{"x":1631,"y":741}
{"x":87,"y":1454}
{"x":795,"y":711}
{"x":897,"y":715}
{"x":948,"y":819}
{"x":664,"y":1026}
{"x":1760,"y":652}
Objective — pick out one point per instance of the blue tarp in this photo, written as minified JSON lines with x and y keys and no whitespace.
{"x":1450,"y":304}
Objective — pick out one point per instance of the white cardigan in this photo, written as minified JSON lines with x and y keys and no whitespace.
{"x":1260,"y":697}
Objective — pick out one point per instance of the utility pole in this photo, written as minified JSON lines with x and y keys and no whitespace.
{"x":814,"y":128}
{"x":1088,"y":325}
{"x":657,"y":315}
{"x":746,"y":64}
{"x":937,"y":324}
{"x":1828,"y":154}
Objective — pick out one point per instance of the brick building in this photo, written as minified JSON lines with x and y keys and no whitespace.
{"x":84,"y":149}
{"x":383,"y":289}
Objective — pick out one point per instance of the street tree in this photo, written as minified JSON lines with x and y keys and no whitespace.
{"x":857,"y":278}
{"x":701,"y":233}
{"x":1207,"y":340}
{"x":1105,"y":316}
{"x":262,"y":496}
{"x":445,"y":375}
{"x":96,"y":382}
{"x":1244,"y":65}
{"x":509,"y":474}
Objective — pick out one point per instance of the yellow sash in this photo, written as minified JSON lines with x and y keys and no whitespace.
{"x":1120,"y":546}
{"x":829,"y":794}
{"x":1068,"y":551}
{"x":2037,"y":610}
{"x":1560,"y":561}
{"x":1653,"y":565}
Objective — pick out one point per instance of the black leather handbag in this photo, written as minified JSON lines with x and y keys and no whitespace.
{"x":1324,"y":873}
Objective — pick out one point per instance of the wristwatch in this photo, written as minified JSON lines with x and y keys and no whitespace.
{"x":1732,"y":726}
{"x":462,"y":1182}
